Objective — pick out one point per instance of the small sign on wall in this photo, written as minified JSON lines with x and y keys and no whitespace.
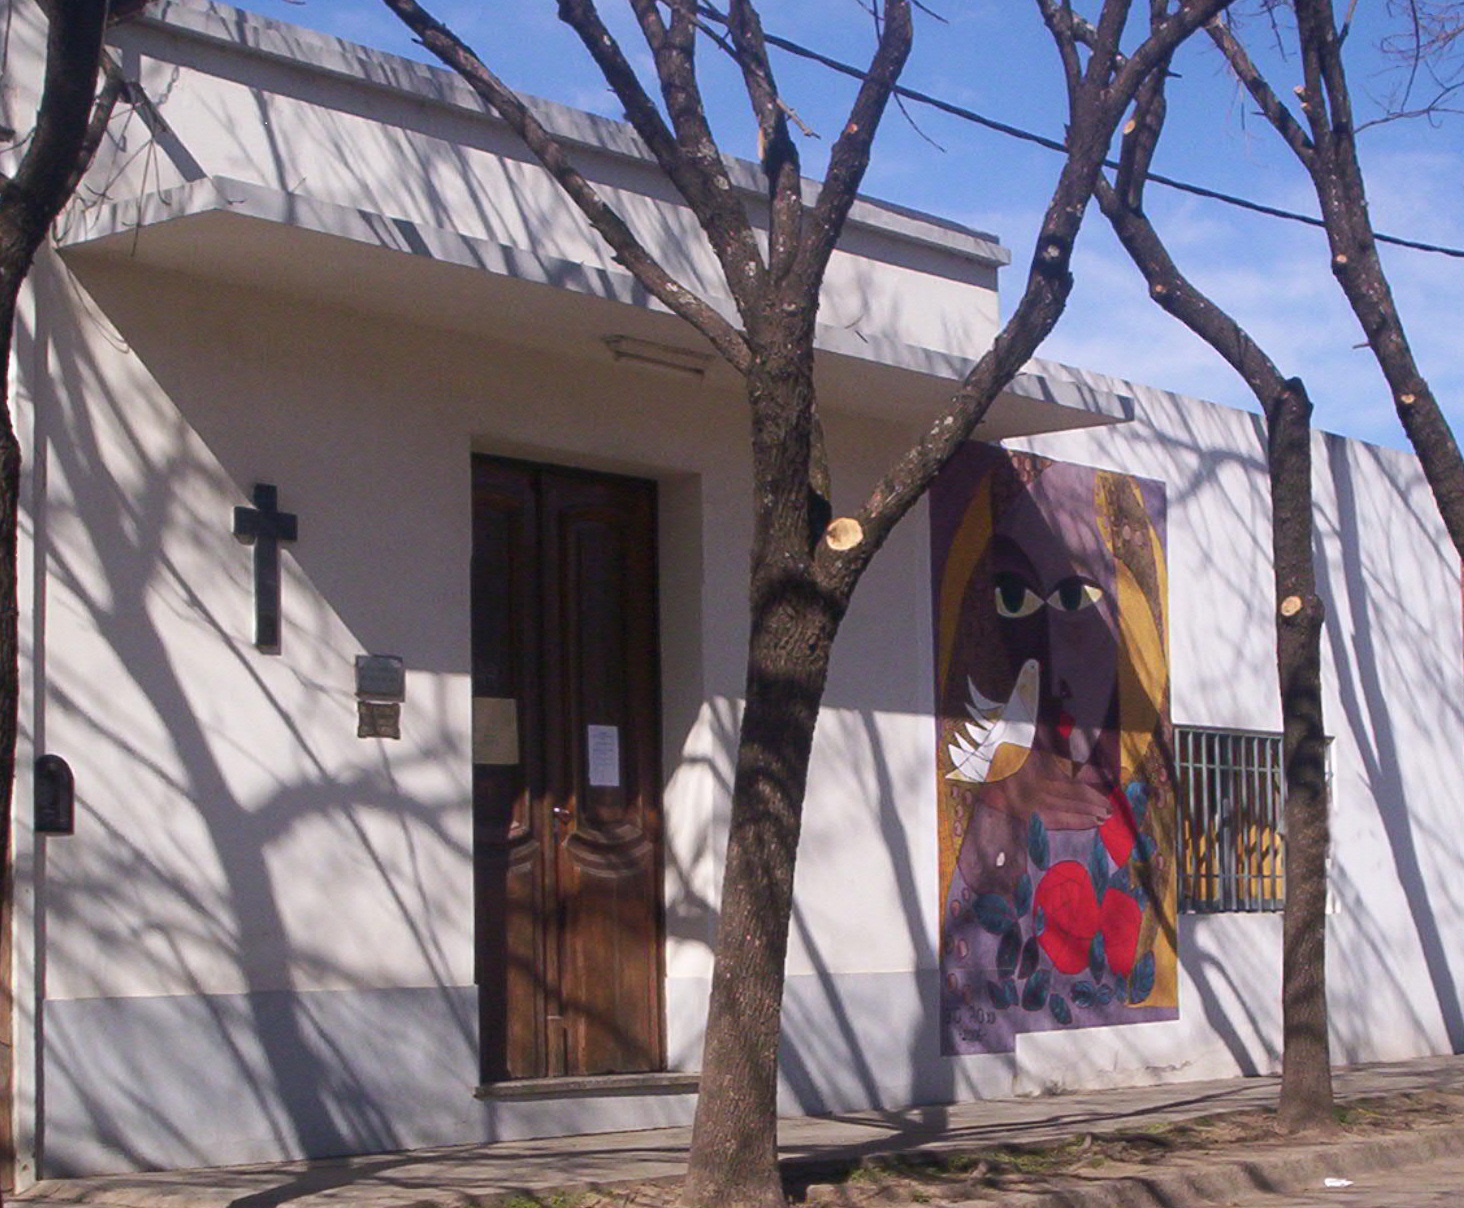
{"x":381,"y":687}
{"x":381,"y":677}
{"x":604,"y":756}
{"x":378,"y":719}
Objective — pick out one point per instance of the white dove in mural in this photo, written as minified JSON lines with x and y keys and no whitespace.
{"x":978,"y":756}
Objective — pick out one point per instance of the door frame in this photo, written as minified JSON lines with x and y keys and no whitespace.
{"x":493,"y":1066}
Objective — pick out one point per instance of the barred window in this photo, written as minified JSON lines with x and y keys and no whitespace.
{"x":1231,"y":837}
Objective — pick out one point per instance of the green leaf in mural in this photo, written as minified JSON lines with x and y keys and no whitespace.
{"x":994,"y":912}
{"x":1030,"y":953}
{"x":1039,"y":921}
{"x":1061,"y":1012}
{"x":996,"y":994}
{"x":1141,"y":980}
{"x":1034,"y":993}
{"x":1098,"y":866}
{"x":1008,"y":951}
{"x":1120,"y":990}
{"x":1023,"y":894}
{"x":1009,"y":993}
{"x":1137,"y":793}
{"x":1097,"y":957}
{"x":1103,"y":995}
{"x":1037,"y":847}
{"x":1084,"y":994}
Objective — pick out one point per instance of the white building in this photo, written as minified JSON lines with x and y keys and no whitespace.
{"x":305,"y":264}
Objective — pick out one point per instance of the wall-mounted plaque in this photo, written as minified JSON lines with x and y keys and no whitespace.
{"x":381,"y":677}
{"x":378,"y":719}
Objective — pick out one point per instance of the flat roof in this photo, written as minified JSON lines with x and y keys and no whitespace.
{"x":327,"y":55}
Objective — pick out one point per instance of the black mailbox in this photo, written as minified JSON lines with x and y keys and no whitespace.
{"x":55,"y":796}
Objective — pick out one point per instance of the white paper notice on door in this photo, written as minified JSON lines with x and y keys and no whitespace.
{"x":604,"y":756}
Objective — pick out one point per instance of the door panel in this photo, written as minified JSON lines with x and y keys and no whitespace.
{"x":507,"y":775}
{"x":568,"y":842}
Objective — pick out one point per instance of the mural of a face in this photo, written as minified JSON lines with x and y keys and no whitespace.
{"x":1054,"y":589}
{"x":1056,"y":798}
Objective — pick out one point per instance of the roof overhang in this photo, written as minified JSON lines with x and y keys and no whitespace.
{"x":249,"y":235}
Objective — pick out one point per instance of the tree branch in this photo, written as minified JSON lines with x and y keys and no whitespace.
{"x":777,"y":152}
{"x":1160,"y":45}
{"x":849,"y":158}
{"x":629,"y":251}
{"x":1173,"y":291}
{"x":59,"y":148}
{"x":1095,"y":116}
{"x":690,"y":157}
{"x":1272,"y":108}
{"x":114,"y":87}
{"x":1141,"y":134}
{"x":1064,"y":24}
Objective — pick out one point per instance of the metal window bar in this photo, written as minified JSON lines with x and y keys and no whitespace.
{"x":1230,"y":833}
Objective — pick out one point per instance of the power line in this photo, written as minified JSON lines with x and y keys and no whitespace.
{"x":1052,"y":144}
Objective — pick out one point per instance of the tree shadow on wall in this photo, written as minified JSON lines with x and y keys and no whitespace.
{"x":1380,"y":679}
{"x":184,"y":861}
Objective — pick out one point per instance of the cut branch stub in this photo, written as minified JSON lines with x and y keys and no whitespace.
{"x":844,"y":533}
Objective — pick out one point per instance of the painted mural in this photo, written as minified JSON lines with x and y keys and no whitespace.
{"x":1056,"y":785}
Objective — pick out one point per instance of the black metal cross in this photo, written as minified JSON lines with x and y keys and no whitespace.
{"x":264,"y":526}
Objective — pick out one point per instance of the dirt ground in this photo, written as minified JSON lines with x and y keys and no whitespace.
{"x":946,"y":1176}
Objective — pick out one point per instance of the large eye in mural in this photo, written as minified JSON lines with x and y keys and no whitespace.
{"x":1074,"y":594}
{"x":1014,"y":598}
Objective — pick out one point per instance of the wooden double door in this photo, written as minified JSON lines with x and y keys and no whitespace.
{"x":566,"y":781}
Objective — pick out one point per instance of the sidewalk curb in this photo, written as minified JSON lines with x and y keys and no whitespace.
{"x":1224,"y":1181}
{"x":486,"y":1173}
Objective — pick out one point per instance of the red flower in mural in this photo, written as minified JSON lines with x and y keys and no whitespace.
{"x":1119,"y":921}
{"x":1070,"y":915}
{"x":1120,"y":830}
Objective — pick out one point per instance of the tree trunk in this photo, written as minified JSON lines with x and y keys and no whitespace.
{"x":733,"y":1160}
{"x":1306,"y":1077}
{"x":1306,"y":1081}
{"x":734,"y":1152}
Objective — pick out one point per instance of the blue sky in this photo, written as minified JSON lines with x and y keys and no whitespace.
{"x":995,"y":57}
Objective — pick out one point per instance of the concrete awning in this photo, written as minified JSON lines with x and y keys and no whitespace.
{"x":254,"y":236}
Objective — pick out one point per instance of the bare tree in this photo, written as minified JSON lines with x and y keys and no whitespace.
{"x":1324,"y":141}
{"x":805,"y":562}
{"x":1306,"y":1081}
{"x":1427,"y":53}
{"x":70,"y":120}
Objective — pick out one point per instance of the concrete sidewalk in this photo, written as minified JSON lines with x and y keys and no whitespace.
{"x":472,"y":1174}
